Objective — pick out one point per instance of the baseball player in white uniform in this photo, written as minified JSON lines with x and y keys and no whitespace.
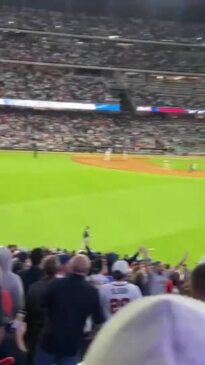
{"x":108,"y":154}
{"x":117,"y":294}
{"x":166,"y":165}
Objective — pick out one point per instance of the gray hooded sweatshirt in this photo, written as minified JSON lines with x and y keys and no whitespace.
{"x":159,"y":330}
{"x":11,"y":281}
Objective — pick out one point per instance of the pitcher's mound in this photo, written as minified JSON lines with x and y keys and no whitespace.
{"x":137,"y":164}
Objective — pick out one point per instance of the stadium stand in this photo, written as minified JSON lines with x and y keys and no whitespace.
{"x":166,"y":90}
{"x":56,"y":84}
{"x":58,"y":57}
{"x":94,"y":132}
{"x":50,"y":21}
{"x":94,"y":52}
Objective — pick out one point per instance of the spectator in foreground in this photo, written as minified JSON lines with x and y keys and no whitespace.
{"x":35,"y":297}
{"x":11,"y":283}
{"x":69,"y":302}
{"x":198,"y":282}
{"x":34,"y":273}
{"x":13,"y":302}
{"x":115,"y":295}
{"x":162,"y":330}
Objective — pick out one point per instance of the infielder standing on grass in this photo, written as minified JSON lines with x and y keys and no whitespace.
{"x":192,"y":167}
{"x":117,"y":294}
{"x":166,"y":164}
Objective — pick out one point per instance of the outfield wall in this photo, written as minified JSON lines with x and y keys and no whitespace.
{"x":139,"y":154}
{"x":114,"y":155}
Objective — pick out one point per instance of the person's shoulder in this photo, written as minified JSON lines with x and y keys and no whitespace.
{"x":134,"y":289}
{"x":54,"y":287}
{"x":35,"y":270}
{"x":15,"y":281}
{"x":57,"y":283}
{"x":131,"y":285}
{"x":22,"y":273}
{"x":36,"y":286}
{"x":106,"y":287}
{"x":88,"y":283}
{"x":25,"y":273}
{"x":90,"y":289}
{"x":98,"y":279}
{"x":15,"y":277}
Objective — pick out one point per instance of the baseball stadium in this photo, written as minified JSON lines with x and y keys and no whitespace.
{"x":127,"y":201}
{"x":102,"y":182}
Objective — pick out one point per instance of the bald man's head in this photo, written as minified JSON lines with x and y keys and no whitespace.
{"x":80,"y":264}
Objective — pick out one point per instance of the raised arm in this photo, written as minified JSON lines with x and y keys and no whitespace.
{"x":182,"y":261}
{"x":133,"y":258}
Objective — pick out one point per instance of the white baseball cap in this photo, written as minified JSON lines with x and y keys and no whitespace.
{"x":122,"y":266}
{"x":158,"y":330}
{"x":202,"y":260}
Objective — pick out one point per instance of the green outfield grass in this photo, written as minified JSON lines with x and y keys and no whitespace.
{"x":49,"y":200}
{"x":182,"y":163}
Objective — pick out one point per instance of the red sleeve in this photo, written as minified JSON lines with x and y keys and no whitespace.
{"x":169,"y":286}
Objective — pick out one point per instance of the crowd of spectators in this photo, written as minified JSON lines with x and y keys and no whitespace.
{"x":42,"y":83}
{"x":58,"y":131}
{"x":164,"y":90}
{"x":100,"y":53}
{"x":68,"y":296}
{"x":74,"y":48}
{"x":94,"y":132}
{"x":62,"y":84}
{"x":152,"y":30}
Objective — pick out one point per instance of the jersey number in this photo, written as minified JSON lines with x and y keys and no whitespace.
{"x":116,"y":304}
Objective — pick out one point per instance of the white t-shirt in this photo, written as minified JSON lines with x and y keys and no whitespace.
{"x":116,"y":295}
{"x":98,"y":279}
